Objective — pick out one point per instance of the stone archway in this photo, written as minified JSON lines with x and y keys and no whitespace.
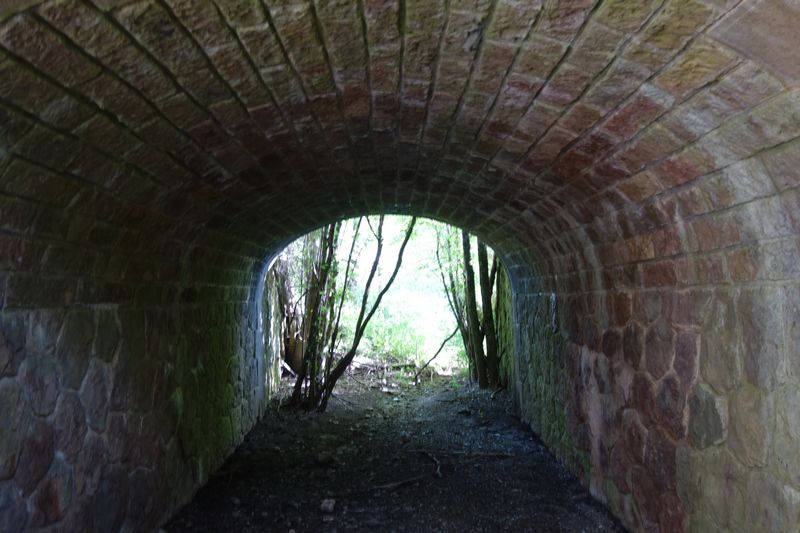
{"x":636,"y":164}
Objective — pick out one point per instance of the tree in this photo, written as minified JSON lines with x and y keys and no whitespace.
{"x":476,"y":323}
{"x":322,"y":309}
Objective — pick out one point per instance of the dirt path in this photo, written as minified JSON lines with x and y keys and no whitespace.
{"x":444,"y":457}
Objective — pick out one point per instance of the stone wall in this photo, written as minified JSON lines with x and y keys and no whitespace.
{"x":115,"y":414}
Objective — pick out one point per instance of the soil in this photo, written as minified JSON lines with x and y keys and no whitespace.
{"x":443,"y":456}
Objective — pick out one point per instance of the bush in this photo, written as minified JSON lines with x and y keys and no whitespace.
{"x":392,"y":337}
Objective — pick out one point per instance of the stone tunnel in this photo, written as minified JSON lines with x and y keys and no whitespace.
{"x":635,"y":164}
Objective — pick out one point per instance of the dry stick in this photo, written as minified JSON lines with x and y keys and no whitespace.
{"x":435,"y":460}
{"x":468,"y":454}
{"x":388,"y":486}
{"x":396,"y":484}
{"x":351,"y":376}
{"x":416,"y":376}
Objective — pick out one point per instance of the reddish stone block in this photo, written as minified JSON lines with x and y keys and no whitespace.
{"x":36,"y":455}
{"x":655,"y":143}
{"x":580,"y":118}
{"x":154,"y":28}
{"x":538,"y":56}
{"x":670,"y":405}
{"x":659,"y":274}
{"x":676,"y":23}
{"x":562,"y":20}
{"x":746,"y":86}
{"x":712,"y":233}
{"x":621,"y":465}
{"x":755,"y":30}
{"x":85,"y":26}
{"x":634,"y":433}
{"x":565,"y":86}
{"x":618,"y":83}
{"x":622,"y":306}
{"x":683,"y":167}
{"x":510,"y":20}
{"x":28,"y":38}
{"x":133,"y":66}
{"x":659,"y":348}
{"x":41,"y":381}
{"x":636,"y":114}
{"x":698,"y":65}
{"x":761,"y":323}
{"x":623,"y":16}
{"x":612,"y":343}
{"x":783,"y":164}
{"x":53,"y":495}
{"x":710,"y":269}
{"x":686,"y":350}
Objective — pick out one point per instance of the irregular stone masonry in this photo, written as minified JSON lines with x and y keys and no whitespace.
{"x":636,"y":164}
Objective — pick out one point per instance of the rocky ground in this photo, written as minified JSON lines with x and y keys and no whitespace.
{"x":443,"y":456}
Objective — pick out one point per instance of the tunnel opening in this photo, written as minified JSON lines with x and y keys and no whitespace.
{"x":391,"y":451}
{"x":415,"y":317}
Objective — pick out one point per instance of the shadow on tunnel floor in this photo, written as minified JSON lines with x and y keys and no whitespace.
{"x":445,"y":456}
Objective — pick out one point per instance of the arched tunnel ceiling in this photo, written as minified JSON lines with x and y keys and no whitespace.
{"x":562,"y":127}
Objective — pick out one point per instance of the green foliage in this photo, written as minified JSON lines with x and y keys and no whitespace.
{"x":391,"y":336}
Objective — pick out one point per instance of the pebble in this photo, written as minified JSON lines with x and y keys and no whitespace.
{"x":327,"y":505}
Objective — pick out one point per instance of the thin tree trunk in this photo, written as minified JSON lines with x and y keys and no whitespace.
{"x":441,"y":347}
{"x":454,"y":302}
{"x":363,"y":319}
{"x":317,"y":285}
{"x":492,"y":359}
{"x":473,"y":322}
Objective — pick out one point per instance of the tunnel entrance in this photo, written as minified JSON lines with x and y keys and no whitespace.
{"x":636,"y":164}
{"x":407,"y":442}
{"x":391,"y":291}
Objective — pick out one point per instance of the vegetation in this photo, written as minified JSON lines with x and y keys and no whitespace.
{"x":473,"y":306}
{"x":333,"y":311}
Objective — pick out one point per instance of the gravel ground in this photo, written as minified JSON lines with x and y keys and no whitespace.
{"x":441,"y":457}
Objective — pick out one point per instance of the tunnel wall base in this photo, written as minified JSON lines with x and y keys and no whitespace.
{"x":115,"y":415}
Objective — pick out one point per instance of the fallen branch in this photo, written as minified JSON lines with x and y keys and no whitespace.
{"x":359,"y":381}
{"x":396,"y":484}
{"x":286,"y":367}
{"x":441,"y":347}
{"x":467,"y":454}
{"x":346,"y":402}
{"x":435,"y":460}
